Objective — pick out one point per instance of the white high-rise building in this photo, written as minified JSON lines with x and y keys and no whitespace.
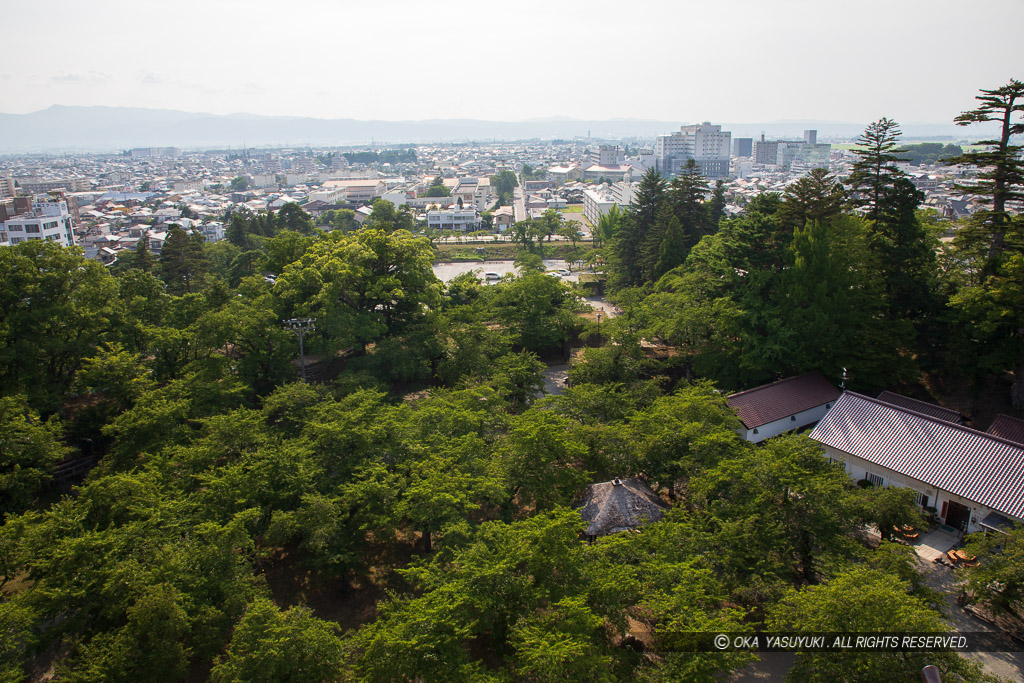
{"x":608,"y":155}
{"x":706,"y":144}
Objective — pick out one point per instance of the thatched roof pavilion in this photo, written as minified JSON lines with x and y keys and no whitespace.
{"x":619,"y":505}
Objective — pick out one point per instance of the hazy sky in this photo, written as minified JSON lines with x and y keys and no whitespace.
{"x":727,"y":60}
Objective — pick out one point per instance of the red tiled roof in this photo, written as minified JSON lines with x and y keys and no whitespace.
{"x":977,"y":466}
{"x":783,"y":398}
{"x":1009,"y":428}
{"x":923,"y":407}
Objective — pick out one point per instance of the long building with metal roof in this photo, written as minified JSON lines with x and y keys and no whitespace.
{"x":784,"y":405}
{"x":966,"y":475}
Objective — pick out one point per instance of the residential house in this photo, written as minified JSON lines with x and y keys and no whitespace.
{"x":502,"y":218}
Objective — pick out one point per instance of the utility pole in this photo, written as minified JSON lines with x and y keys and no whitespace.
{"x":300,"y":326}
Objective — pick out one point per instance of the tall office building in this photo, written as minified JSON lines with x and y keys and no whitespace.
{"x":742,"y":147}
{"x":608,"y":155}
{"x":706,"y":144}
{"x":766,"y":151}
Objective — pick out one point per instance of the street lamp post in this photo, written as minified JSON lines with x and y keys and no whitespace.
{"x":599,"y":327}
{"x":300,"y":326}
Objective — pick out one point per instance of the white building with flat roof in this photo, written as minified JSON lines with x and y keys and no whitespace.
{"x":358,"y":190}
{"x":705,"y":143}
{"x":466,"y":219}
{"x":46,"y":220}
{"x":597,"y":203}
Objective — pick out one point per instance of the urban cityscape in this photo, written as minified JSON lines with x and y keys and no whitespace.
{"x":551,"y":342}
{"x":108,"y":203}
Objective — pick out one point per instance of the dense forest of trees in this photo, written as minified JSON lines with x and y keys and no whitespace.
{"x":408,"y":515}
{"x":387,"y":156}
{"x":930,"y":153}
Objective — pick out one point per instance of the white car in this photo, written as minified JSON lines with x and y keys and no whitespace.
{"x":492,"y":276}
{"x":563,"y":272}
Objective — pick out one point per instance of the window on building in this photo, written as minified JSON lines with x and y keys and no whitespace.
{"x":875,"y":479}
{"x":32,"y":228}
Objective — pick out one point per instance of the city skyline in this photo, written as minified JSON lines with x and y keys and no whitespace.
{"x":735,"y":61}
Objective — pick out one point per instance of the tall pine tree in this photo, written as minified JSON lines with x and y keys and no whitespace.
{"x":1002,"y":179}
{"x":182,"y":260}
{"x":686,"y":195}
{"x":875,"y":170}
{"x":816,"y":197}
{"x":627,"y":247}
{"x":904,"y":255}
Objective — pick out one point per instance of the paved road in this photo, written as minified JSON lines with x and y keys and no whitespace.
{"x":554,"y":379}
{"x":1008,"y":665}
{"x":446,"y":270}
{"x":519,"y":204}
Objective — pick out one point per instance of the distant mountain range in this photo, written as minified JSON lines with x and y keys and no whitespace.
{"x":108,"y":129}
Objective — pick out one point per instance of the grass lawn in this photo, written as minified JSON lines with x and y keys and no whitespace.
{"x":573,"y":208}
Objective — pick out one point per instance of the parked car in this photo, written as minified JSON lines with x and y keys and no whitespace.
{"x":492,"y":276}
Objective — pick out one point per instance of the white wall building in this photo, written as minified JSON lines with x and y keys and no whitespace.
{"x":597,"y":203}
{"x":466,"y":219}
{"x":212,"y":232}
{"x":782,"y":406}
{"x":608,"y":155}
{"x":973,"y":480}
{"x":46,"y":220}
{"x":359,"y":190}
{"x":187,"y":185}
{"x":705,"y":143}
{"x":396,"y":197}
{"x":262,"y":180}
{"x":623,"y":192}
{"x":333,"y":195}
